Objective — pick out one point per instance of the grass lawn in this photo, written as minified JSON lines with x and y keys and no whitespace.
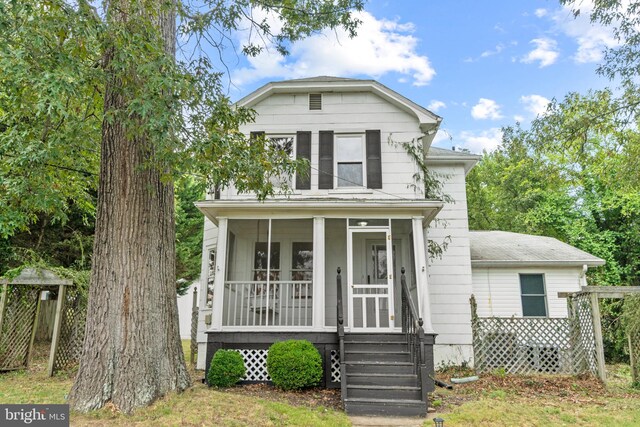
{"x":198,"y":406}
{"x":494,"y":400}
{"x":541,"y":400}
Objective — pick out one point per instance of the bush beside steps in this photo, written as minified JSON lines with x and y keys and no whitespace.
{"x":294,"y":364}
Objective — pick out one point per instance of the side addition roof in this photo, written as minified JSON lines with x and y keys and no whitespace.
{"x":506,"y":249}
{"x":442,"y":155}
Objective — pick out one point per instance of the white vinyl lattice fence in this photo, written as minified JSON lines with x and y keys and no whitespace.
{"x":535,"y":345}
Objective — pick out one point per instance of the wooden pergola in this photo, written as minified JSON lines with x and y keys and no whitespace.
{"x":20,"y":300}
{"x":594,"y":294}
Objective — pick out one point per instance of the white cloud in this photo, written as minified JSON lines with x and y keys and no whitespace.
{"x":541,"y":12}
{"x":535,"y":104}
{"x":499,"y":48}
{"x":546,"y":52}
{"x":592,"y":38}
{"x":476,"y":142}
{"x":518,"y":118}
{"x":486,"y":109}
{"x":441,"y":137}
{"x":436,"y":105}
{"x":381,"y":46}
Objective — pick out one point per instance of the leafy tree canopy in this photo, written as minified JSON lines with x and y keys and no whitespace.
{"x":53,"y":83}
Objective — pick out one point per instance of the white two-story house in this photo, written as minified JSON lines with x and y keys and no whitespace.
{"x":348,"y":250}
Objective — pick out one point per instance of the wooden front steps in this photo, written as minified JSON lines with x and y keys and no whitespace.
{"x":380,"y":377}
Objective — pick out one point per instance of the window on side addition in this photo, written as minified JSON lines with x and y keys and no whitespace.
{"x":534,"y":300}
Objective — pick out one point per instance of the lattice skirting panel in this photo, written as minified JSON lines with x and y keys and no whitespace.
{"x":335,"y":366}
{"x":255,"y":362}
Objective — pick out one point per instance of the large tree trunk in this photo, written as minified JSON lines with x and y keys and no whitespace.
{"x":132,"y":351}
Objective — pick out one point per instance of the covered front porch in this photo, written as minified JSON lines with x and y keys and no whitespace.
{"x":276,"y":264}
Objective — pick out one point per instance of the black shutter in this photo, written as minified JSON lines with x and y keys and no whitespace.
{"x":303,"y":151}
{"x":325,"y":166}
{"x":216,"y":194}
{"x":255,"y":135}
{"x":374,"y":161}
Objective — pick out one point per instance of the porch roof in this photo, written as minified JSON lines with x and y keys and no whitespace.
{"x":329,"y":207}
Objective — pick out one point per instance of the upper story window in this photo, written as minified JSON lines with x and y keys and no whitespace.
{"x":315,"y":101}
{"x":282,"y":143}
{"x":534,"y":300}
{"x":349,"y":161}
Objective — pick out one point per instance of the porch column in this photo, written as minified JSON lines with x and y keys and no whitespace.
{"x":421,"y":257}
{"x":318,"y":273}
{"x":218,"y":284}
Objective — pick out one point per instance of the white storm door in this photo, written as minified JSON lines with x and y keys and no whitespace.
{"x":370,"y":280}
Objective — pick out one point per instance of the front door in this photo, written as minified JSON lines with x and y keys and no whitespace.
{"x":370,"y":279}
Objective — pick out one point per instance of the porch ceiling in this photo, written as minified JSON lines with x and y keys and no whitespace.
{"x":332,"y":208}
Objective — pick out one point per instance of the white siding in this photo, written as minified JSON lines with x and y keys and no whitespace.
{"x":497,"y":290}
{"x":343,"y":113}
{"x":209,"y":240}
{"x":450,"y":277}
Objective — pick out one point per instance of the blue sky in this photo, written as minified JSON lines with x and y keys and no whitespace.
{"x":479,"y":65}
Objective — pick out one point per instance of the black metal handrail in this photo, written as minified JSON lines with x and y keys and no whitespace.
{"x":340,"y":312}
{"x":414,"y":334}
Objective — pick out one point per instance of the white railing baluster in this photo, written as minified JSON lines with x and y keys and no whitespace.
{"x":306,"y":303}
{"x":287,"y":306}
{"x":256,"y":304}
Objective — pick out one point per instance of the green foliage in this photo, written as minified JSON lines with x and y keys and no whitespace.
{"x":574,"y":178}
{"x":50,"y":113}
{"x":80,"y":278}
{"x":428,"y":183}
{"x":226,"y":369}
{"x":57,"y":59}
{"x":294,"y":364}
{"x":189,"y":228}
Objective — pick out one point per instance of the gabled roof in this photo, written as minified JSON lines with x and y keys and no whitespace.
{"x":429,"y":121}
{"x":506,"y":249}
{"x":442,"y":155}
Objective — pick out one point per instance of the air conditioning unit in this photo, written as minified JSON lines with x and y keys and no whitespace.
{"x":544,"y":358}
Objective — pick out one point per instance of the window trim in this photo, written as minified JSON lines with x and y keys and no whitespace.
{"x":292,"y":181}
{"x":363,"y":160}
{"x":544,"y":295}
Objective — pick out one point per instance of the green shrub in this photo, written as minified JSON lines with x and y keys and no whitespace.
{"x":294,"y":364}
{"x":226,"y":369}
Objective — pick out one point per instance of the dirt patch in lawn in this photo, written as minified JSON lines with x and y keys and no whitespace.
{"x":311,"y":398}
{"x":579,"y":390}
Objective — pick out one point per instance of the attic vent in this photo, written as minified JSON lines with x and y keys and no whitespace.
{"x":315,"y":101}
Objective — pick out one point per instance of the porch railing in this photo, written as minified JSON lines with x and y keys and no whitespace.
{"x":340,"y":316}
{"x":276,"y":303}
{"x":414,"y":334}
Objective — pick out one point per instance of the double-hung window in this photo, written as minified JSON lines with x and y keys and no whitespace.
{"x":534,"y":300}
{"x":349,"y":151}
{"x":285,"y":145}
